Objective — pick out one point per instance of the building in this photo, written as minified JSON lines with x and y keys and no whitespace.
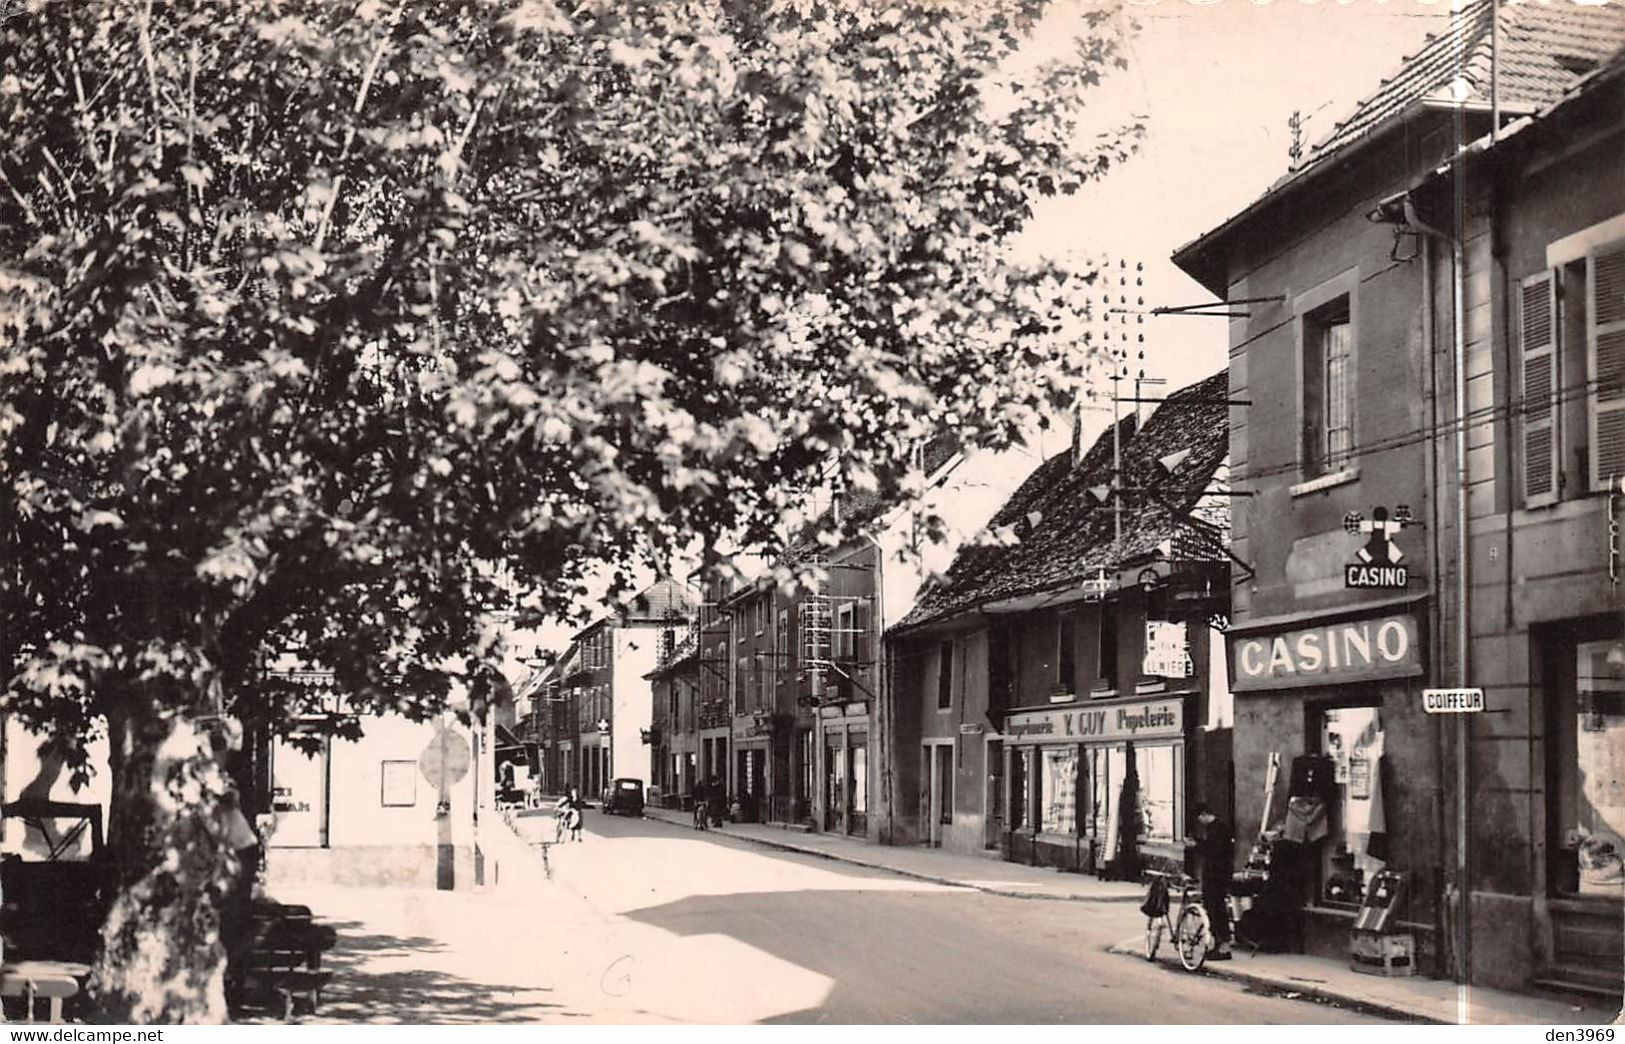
{"x":604,"y":680}
{"x":1075,"y":636}
{"x":1428,"y":435}
{"x":675,"y":740}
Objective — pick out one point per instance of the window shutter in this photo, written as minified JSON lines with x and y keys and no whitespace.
{"x":1605,"y":357}
{"x":1538,"y":364}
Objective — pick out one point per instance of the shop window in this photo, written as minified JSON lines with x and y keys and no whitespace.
{"x":1159,"y":770}
{"x":1058,"y":790}
{"x":1020,"y":773}
{"x":858,"y":779}
{"x":1590,"y":765}
{"x":1328,"y":377}
{"x":945,"y":675}
{"x":1336,"y":801}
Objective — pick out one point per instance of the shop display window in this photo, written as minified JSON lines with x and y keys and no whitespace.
{"x":1020,"y":773}
{"x":858,"y":780}
{"x":1060,"y":790}
{"x":1098,"y":787}
{"x":1159,"y":770}
{"x":1591,"y":767}
{"x":1343,"y":818}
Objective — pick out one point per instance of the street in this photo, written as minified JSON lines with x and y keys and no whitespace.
{"x":648,"y":922}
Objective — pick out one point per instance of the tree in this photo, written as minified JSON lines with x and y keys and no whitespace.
{"x":312,"y":311}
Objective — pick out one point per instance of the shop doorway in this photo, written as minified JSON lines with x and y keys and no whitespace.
{"x":299,"y":795}
{"x":857,"y":784}
{"x":834,"y":791}
{"x":938,"y":775}
{"x":993,"y":799}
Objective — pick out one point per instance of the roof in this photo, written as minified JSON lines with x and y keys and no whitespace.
{"x":1064,"y":534}
{"x":1542,"y":49}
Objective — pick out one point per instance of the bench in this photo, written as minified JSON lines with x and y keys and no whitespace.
{"x":285,"y":961}
{"x":36,"y":980}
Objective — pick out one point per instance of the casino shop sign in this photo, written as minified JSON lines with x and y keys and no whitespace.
{"x":1371,"y":649}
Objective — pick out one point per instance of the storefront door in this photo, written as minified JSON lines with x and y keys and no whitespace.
{"x":993,"y":801}
{"x":299,"y":796}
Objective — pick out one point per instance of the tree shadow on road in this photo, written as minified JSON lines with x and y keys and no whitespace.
{"x":371,"y":985}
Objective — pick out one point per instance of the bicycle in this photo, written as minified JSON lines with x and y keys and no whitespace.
{"x":1189,"y":928}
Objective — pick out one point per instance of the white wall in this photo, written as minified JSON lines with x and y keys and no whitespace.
{"x":636,"y":651}
{"x":28,"y":775}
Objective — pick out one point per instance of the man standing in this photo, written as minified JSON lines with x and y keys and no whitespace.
{"x":1215,"y":853}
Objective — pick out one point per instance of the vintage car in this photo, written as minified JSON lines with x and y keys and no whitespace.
{"x":57,"y":884}
{"x":624,"y":796}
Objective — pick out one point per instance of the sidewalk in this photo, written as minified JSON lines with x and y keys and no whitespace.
{"x":1414,"y":999}
{"x":926,"y":864}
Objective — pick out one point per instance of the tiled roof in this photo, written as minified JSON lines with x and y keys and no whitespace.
{"x":1064,"y":534}
{"x":1542,"y":48}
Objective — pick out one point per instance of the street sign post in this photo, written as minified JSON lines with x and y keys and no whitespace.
{"x":1453,"y":701}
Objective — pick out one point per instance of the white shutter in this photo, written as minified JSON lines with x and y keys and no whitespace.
{"x":1537,"y":340}
{"x":1605,"y":359}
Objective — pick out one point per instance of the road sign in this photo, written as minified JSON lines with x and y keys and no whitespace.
{"x":1453,"y":701}
{"x":445,"y":760}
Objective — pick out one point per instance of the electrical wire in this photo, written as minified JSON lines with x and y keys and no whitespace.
{"x":1482,"y":415}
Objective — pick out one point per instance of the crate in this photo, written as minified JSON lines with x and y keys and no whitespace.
{"x":1392,"y":956}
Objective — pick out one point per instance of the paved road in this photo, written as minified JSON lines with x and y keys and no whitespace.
{"x":698,"y":927}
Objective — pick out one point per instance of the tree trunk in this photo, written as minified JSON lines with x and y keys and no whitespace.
{"x":162,"y":958}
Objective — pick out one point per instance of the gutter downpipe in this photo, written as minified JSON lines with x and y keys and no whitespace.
{"x":1430,"y":343}
{"x":1459,"y":422}
{"x":883,"y":682}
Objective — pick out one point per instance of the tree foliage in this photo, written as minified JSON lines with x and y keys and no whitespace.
{"x":310,"y":311}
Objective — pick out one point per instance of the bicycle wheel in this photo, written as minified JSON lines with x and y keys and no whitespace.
{"x":1191,"y":935}
{"x":1153,"y":937}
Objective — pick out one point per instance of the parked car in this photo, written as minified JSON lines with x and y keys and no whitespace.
{"x":624,"y":796}
{"x":58,"y":887}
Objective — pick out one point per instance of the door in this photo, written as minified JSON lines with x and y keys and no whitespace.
{"x":299,"y":796}
{"x":993,"y":800}
{"x":834,"y":781}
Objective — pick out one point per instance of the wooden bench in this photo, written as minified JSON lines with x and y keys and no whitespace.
{"x":36,"y":980}
{"x":285,"y":962}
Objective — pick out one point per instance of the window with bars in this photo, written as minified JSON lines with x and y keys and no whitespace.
{"x":1328,"y":389}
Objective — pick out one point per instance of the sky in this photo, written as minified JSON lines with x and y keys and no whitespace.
{"x":1215,"y":82}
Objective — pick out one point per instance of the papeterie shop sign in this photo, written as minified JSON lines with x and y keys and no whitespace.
{"x":1155,"y":720}
{"x":1351,"y":650}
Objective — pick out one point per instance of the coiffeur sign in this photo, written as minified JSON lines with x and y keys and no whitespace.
{"x":1351,"y":650}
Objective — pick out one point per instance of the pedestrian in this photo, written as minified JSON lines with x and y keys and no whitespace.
{"x":702,"y":811}
{"x":716,"y":796}
{"x":567,"y":813}
{"x":1215,"y":853}
{"x":576,"y":805}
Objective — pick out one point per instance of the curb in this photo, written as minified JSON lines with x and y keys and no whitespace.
{"x":1235,"y":972}
{"x":840,"y":857}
